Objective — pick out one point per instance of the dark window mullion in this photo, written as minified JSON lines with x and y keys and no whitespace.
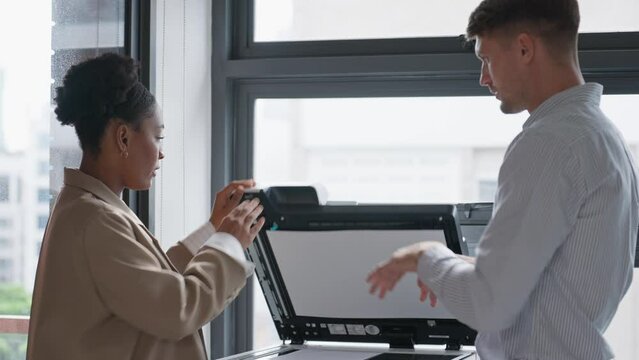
{"x":137,"y":45}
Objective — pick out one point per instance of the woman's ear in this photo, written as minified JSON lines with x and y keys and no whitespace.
{"x":122,"y":134}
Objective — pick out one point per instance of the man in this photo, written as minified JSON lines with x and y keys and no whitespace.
{"x":557,"y":256}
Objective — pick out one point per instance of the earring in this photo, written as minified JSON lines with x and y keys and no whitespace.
{"x":124,"y":154}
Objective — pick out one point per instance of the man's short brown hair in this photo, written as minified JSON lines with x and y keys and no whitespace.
{"x":556,"y":21}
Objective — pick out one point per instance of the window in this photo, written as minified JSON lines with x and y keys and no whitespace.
{"x":6,"y":269}
{"x":42,"y":221}
{"x":487,"y":190}
{"x":4,"y":189}
{"x":43,"y":167}
{"x":44,"y":141}
{"x":300,"y":20}
{"x":366,"y":150}
{"x":34,"y":148}
{"x":5,"y":223}
{"x":43,"y":196}
{"x":328,"y":84}
{"x":38,"y":247}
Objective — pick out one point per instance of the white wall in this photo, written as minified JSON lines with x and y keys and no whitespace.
{"x":181,"y":81}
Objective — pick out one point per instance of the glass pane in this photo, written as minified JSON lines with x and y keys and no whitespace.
{"x":13,"y":346}
{"x":34,"y":148}
{"x":264,"y":333}
{"x":399,"y":150}
{"x":303,"y":20}
{"x":408,"y":150}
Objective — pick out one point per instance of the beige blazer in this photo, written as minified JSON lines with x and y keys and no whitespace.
{"x":105,"y":289}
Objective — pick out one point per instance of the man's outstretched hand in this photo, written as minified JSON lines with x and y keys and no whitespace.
{"x":388,"y":273}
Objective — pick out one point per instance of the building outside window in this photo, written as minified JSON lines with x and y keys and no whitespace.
{"x":43,"y":196}
{"x":4,"y":189}
{"x":4,"y":243}
{"x":6,"y":267}
{"x":5,"y":223}
{"x":34,"y":148}
{"x":42,"y":221}
{"x":43,"y":167}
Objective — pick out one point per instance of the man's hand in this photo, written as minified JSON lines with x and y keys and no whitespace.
{"x":228,"y":199}
{"x":388,"y":273}
{"x":426,"y":293}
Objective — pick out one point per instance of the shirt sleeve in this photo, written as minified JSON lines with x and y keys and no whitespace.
{"x":229,"y":245}
{"x":197,"y":238}
{"x":131,"y":282}
{"x":536,"y":205}
{"x":183,"y":251}
{"x":205,"y":235}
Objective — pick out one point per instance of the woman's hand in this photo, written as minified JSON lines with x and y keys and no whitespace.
{"x":242,"y":222}
{"x":228,"y":199}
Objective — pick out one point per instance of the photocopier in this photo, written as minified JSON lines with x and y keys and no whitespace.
{"x":312,"y":260}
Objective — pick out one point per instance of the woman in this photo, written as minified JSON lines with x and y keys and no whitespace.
{"x":104,"y":288}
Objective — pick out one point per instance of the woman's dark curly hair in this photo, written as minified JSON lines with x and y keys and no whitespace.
{"x":100,"y":89}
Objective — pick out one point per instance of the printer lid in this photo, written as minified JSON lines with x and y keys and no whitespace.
{"x":312,"y":261}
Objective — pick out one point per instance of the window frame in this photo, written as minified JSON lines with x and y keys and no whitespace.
{"x":245,"y":70}
{"x":245,"y":47}
{"x":137,"y":40}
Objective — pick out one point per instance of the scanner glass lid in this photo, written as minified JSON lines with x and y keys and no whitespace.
{"x":325,"y":273}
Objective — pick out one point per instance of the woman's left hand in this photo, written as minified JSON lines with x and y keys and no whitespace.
{"x":228,"y":199}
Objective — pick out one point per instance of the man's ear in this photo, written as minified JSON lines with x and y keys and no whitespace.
{"x":526,"y":47}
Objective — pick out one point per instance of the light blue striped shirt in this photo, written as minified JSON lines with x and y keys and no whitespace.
{"x":557,"y":256}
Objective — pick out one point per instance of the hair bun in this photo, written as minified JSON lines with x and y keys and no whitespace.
{"x":92,"y":89}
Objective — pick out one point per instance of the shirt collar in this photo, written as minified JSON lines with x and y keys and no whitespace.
{"x":76,"y":178}
{"x":586,"y":93}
